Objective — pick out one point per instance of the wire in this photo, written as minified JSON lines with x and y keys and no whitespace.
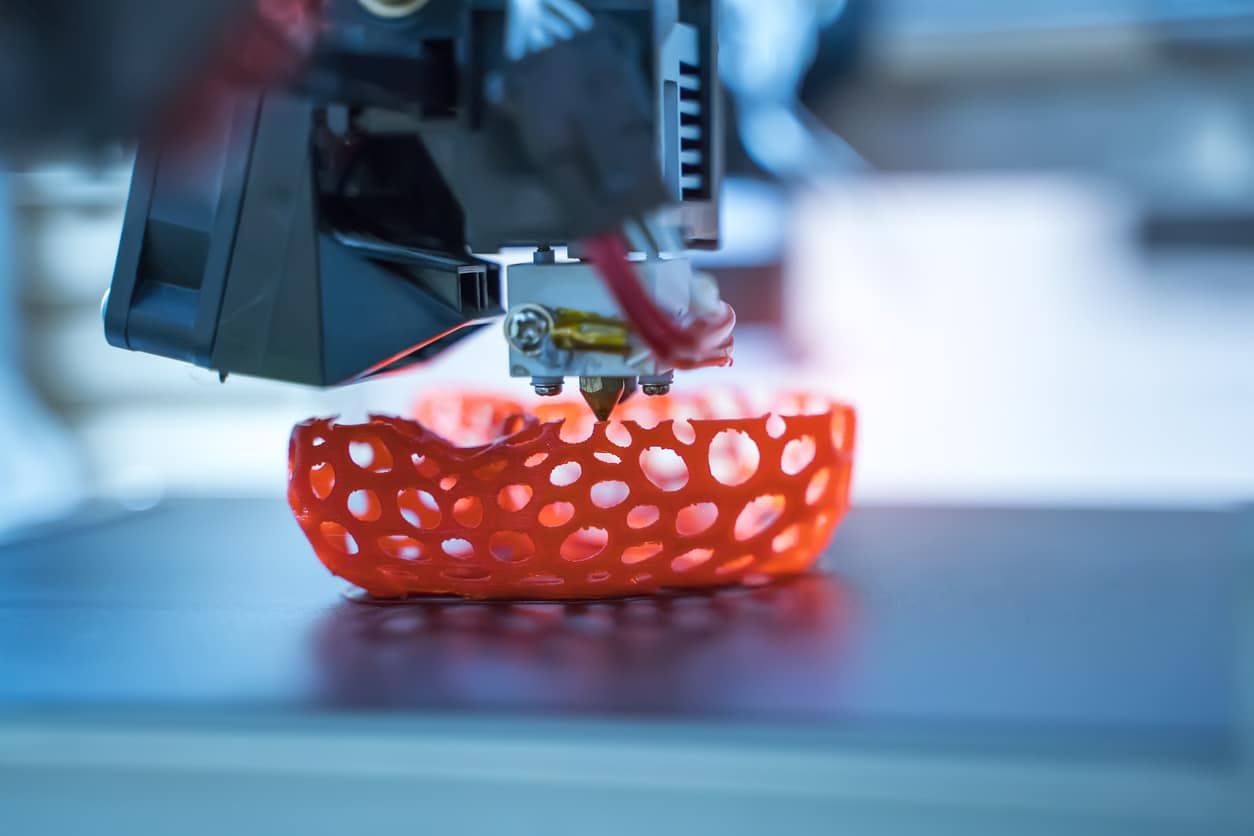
{"x":766,"y":49}
{"x":578,"y":16}
{"x":704,"y":341}
{"x":558,"y":27}
{"x":533,"y":25}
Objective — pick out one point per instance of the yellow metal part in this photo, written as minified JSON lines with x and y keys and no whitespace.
{"x":581,"y":330}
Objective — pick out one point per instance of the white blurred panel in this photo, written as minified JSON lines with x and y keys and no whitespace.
{"x":70,"y":233}
{"x":76,"y":367}
{"x":1005,"y":342}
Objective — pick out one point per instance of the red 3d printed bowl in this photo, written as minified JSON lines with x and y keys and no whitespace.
{"x":484,"y":498}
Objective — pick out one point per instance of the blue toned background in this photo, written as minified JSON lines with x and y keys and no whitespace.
{"x":1022,"y":244}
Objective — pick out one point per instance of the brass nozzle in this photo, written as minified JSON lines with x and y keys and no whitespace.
{"x":602,"y":394}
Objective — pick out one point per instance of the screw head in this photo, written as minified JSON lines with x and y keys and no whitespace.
{"x":527,"y":327}
{"x":654,"y":390}
{"x":549,"y":390}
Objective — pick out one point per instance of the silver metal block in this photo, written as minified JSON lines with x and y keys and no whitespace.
{"x":577,"y":286}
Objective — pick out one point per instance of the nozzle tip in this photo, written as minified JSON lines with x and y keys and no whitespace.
{"x":602,"y":394}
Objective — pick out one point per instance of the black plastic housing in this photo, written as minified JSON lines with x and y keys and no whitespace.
{"x":325,"y":232}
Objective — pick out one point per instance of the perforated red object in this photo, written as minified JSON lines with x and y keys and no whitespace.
{"x":547,"y":504}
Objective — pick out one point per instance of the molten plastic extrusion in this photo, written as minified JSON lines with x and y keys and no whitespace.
{"x":543,"y":503}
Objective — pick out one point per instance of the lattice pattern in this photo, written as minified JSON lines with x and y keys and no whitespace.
{"x":554,"y":508}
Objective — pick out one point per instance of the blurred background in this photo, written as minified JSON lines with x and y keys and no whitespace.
{"x":1028,"y":260}
{"x":1018,"y":235}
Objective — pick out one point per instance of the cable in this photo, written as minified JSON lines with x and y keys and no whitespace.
{"x":533,"y":25}
{"x":578,"y":16}
{"x":558,"y":28}
{"x":704,"y":341}
{"x":766,"y":49}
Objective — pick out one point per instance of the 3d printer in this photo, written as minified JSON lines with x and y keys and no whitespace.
{"x":327,"y":231}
